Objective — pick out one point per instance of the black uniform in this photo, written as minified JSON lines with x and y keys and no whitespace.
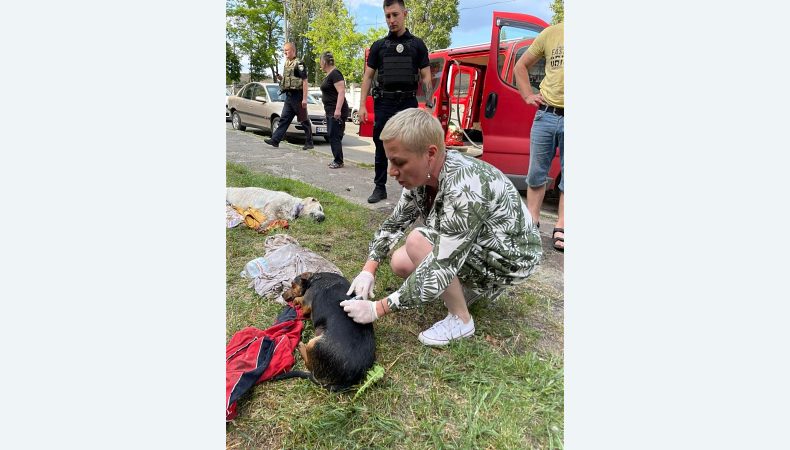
{"x":336,"y":128}
{"x":397,"y":79}
{"x":293,"y":107}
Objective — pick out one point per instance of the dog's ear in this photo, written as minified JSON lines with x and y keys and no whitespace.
{"x":303,"y":281}
{"x":299,"y":285}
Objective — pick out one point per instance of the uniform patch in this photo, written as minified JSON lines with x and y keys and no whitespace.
{"x":399,"y":48}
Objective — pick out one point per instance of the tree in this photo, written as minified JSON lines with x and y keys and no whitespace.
{"x":232,"y":65}
{"x":558,"y":6}
{"x":333,"y":30}
{"x":301,"y":14}
{"x":255,"y":27}
{"x":432,"y":21}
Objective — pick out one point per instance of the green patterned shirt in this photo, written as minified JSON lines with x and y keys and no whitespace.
{"x":480,"y":229}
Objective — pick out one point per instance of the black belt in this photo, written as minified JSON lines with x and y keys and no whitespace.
{"x":552,"y":109}
{"x":397,"y":95}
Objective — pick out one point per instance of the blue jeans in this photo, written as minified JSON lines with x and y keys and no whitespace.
{"x":335,"y":129}
{"x":548,"y":133}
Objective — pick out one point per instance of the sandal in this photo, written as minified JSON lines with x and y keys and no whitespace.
{"x":335,"y":165}
{"x":558,"y":239}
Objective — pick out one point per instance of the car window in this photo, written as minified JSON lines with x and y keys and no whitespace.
{"x":248,"y":92}
{"x":518,"y":35}
{"x":259,"y":92}
{"x":274,"y":94}
{"x":536,"y":72}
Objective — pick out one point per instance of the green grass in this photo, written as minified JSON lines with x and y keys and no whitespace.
{"x":501,"y":389}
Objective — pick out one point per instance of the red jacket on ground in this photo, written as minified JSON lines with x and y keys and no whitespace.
{"x":254,"y":356}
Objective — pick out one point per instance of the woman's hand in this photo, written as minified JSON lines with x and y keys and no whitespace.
{"x":362,"y":286}
{"x":362,"y":311}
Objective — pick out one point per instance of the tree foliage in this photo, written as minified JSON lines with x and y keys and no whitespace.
{"x":256,"y":31}
{"x":254,"y":26}
{"x":333,"y":30}
{"x":432,"y":21}
{"x":558,"y":6}
{"x":301,"y":14}
{"x":232,"y":65}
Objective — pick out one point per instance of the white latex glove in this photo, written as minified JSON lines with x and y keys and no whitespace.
{"x":362,"y":311}
{"x":362,"y":286}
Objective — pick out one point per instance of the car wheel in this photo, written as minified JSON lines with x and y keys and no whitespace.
{"x":236,"y":122}
{"x":275,"y":124}
{"x":355,"y":117}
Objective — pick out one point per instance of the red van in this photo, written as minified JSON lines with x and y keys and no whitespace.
{"x":477,"y":101}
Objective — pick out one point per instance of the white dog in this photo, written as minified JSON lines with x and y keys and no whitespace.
{"x":275,"y":204}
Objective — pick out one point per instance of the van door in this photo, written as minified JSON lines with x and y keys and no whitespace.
{"x":506,"y":119}
{"x":366,"y":128}
{"x":463,"y":86}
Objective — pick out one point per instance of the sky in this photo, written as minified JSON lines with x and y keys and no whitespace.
{"x":474,"y":22}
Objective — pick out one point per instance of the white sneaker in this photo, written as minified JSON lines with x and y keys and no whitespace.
{"x":447,"y":329}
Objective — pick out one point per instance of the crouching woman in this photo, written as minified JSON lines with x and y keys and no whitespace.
{"x":478,"y":237}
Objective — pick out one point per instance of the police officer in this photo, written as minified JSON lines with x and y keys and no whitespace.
{"x":402,"y":62}
{"x":293,"y":83}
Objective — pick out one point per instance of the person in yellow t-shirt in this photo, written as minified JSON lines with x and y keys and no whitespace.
{"x":548,"y":127}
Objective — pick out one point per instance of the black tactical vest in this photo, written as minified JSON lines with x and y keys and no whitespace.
{"x":397,"y":70}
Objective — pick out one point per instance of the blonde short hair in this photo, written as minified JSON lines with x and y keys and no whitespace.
{"x":416,"y":129}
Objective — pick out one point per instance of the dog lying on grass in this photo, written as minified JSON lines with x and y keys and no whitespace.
{"x":342,"y":350}
{"x":275,"y":204}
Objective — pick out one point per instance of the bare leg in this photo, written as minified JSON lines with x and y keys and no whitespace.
{"x":408,"y":257}
{"x":560,"y":220}
{"x":535,"y":201}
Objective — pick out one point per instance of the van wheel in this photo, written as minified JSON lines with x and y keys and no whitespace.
{"x":236,"y":122}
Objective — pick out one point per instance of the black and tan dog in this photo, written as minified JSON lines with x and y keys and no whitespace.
{"x":342,"y":350}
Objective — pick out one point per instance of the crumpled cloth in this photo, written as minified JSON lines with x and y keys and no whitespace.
{"x":285,"y":259}
{"x":232,"y":217}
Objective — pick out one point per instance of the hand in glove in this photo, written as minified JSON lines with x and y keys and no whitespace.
{"x":362,"y":286}
{"x":362,"y":311}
